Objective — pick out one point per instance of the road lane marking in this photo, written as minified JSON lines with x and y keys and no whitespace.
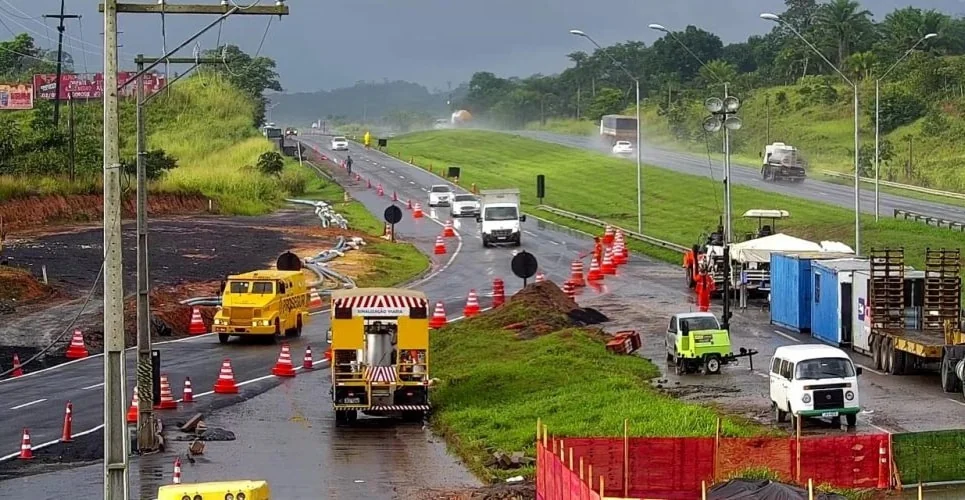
{"x":956,"y":401}
{"x":95,"y":386}
{"x":28,"y":404}
{"x":792,"y":339}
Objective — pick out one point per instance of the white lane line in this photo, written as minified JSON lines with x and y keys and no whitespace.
{"x":55,"y":441}
{"x":402,"y":177}
{"x":792,"y":339}
{"x":95,"y":386}
{"x":411,"y":182}
{"x":28,"y":404}
{"x":391,"y":171}
{"x":956,"y":401}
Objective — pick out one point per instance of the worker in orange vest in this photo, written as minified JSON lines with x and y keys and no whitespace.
{"x":705,"y":286}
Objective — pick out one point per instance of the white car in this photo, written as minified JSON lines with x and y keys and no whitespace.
{"x":440,"y":195}
{"x":622,"y":148}
{"x":339,"y":144}
{"x":464,"y":205}
{"x":814,"y":380}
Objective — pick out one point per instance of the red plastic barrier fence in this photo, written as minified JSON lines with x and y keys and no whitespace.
{"x":556,"y":481}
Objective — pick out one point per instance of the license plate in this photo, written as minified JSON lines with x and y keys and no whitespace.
{"x":352,"y":401}
{"x":829,"y":414}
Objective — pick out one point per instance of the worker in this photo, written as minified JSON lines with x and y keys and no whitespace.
{"x":705,"y":287}
{"x":598,"y":249}
{"x":348,"y":164}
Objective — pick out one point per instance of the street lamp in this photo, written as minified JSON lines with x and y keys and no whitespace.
{"x":857,"y":175}
{"x":636,"y":81}
{"x":877,"y":98}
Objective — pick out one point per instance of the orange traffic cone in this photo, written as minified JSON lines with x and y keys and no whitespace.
{"x":608,"y":267}
{"x":316,"y":300}
{"x":77,"y":348}
{"x":17,"y":369}
{"x":177,"y":470}
{"x":197,"y":323}
{"x":188,"y":394}
{"x":608,"y":235}
{"x":226,"y":379}
{"x":438,"y":317}
{"x":499,"y":292}
{"x":417,"y":211}
{"x":379,"y":190}
{"x":576,"y":274}
{"x":167,"y":398}
{"x":448,"y":231}
{"x":472,"y":305}
{"x":618,"y":258}
{"x":66,"y":436}
{"x":26,"y":453}
{"x":309,"y":361}
{"x":595,"y":273}
{"x":540,"y":278}
{"x":440,"y":247}
{"x":283,"y":367}
{"x":569,"y":290}
{"x":132,"y":410}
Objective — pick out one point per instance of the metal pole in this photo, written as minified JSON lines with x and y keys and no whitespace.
{"x":728,"y":234}
{"x":724,"y":146}
{"x":857,"y":179}
{"x":639,"y":167}
{"x":145,"y":381}
{"x":71,"y":131}
{"x":877,"y":97}
{"x":116,"y":439}
{"x":60,"y":55}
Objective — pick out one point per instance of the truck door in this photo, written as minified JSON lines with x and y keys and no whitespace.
{"x":847,"y":332}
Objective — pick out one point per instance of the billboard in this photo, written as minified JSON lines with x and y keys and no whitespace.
{"x":16,"y":97}
{"x":90,"y":85}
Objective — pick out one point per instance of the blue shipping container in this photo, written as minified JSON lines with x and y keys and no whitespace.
{"x":791,"y":291}
{"x":832,"y":299}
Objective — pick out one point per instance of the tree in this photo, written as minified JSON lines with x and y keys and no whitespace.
{"x":156,"y":163}
{"x":606,"y":102}
{"x":717,"y":71}
{"x":844,"y":25}
{"x":271,"y":163}
{"x":253,"y":75}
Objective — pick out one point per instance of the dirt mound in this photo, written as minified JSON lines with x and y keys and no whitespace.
{"x":505,"y":491}
{"x":24,"y":213}
{"x":18,"y":286}
{"x":541,"y":308}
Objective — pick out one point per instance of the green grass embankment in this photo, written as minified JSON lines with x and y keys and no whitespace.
{"x":677,"y":207}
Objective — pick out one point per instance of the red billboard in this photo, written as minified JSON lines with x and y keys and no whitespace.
{"x":90,"y":85}
{"x":16,"y":97}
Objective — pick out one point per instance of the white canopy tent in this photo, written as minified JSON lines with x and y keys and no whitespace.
{"x":759,"y":250}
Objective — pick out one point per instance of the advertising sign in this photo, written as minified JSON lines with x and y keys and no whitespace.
{"x":90,"y":85}
{"x":16,"y":97}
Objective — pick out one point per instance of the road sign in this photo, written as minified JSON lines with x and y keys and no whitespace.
{"x":524,"y":265}
{"x":393,"y":214}
{"x":288,"y":262}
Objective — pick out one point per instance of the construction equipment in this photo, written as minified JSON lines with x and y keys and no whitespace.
{"x":782,"y":161}
{"x":696,"y":341}
{"x":380,"y":353}
{"x":242,"y":490}
{"x":707,"y":257}
{"x":267,"y":302}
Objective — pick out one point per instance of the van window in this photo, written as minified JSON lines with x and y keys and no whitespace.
{"x":673,"y":325}
{"x":817,"y":288}
{"x":776,"y":366}
{"x":822,"y":368}
{"x":787,"y":369}
{"x":281,"y":287}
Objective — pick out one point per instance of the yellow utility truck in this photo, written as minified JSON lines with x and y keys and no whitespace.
{"x":380,"y":353}
{"x":268,"y":303}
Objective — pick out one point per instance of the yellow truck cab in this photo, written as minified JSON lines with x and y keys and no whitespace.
{"x":380,"y":353}
{"x":219,"y":490}
{"x":263,"y":303}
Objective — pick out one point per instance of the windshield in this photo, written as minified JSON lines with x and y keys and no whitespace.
{"x":700,"y":323}
{"x":821,"y":368}
{"x":441,"y":189}
{"x":465,"y":197}
{"x":501,"y":213}
{"x":273,"y":132}
{"x":250,"y":287}
{"x":787,"y":157}
{"x":338,"y":139}
{"x":623,"y":143}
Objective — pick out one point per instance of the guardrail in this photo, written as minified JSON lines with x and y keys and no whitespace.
{"x":898,"y":185}
{"x":597,"y":222}
{"x":930,"y":220}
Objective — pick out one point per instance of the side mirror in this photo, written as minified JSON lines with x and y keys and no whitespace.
{"x":522,"y":218}
{"x":478,"y":218}
{"x":328,"y":336}
{"x":858,"y":370}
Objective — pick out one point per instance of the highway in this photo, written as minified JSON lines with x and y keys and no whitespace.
{"x":745,"y":175}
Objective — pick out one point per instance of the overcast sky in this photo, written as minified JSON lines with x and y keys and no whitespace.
{"x":326,"y":44}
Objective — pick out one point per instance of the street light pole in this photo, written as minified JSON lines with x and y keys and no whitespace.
{"x":857,"y":171}
{"x":636,"y":82}
{"x":877,"y":110}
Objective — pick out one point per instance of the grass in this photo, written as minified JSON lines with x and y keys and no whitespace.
{"x":564,"y":126}
{"x":495,"y":387}
{"x":677,"y":207}
{"x":930,"y":456}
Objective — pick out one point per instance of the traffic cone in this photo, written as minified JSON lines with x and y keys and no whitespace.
{"x":595,"y":273}
{"x":618,"y":258}
{"x":395,"y":197}
{"x":66,"y":436}
{"x":608,"y":235}
{"x":328,"y":354}
{"x":132,"y":410}
{"x":438,"y":317}
{"x":884,"y":479}
{"x":569,"y":290}
{"x":417,"y":211}
{"x":448,"y":231}
{"x":17,"y":370}
{"x":187,"y":395}
{"x":440,"y":247}
{"x":315,"y":301}
{"x":167,"y":398}
{"x":197,"y":323}
{"x":608,"y":267}
{"x":77,"y":348}
{"x":540,"y":278}
{"x":226,"y":379}
{"x":177,"y":470}
{"x":499,"y":292}
{"x":358,"y":177}
{"x":623,"y":244}
{"x":576,"y":274}
{"x":283,"y":367}
{"x":408,"y":204}
{"x":26,"y":453}
{"x":309,"y":362}
{"x":472,"y":305}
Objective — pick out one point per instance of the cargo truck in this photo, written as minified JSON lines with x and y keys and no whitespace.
{"x":379,"y":339}
{"x":615,"y":128}
{"x":883,"y":299}
{"x":783,"y":162}
{"x":500,"y":220}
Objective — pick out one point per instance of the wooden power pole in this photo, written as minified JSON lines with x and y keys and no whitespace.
{"x":60,"y":56}
{"x":116,"y":438}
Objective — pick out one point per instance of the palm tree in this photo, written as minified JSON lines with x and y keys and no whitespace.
{"x":844,"y":24}
{"x":862,"y":63}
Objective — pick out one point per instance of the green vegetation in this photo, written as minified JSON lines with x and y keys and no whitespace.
{"x":497,"y":383}
{"x":789,"y":94}
{"x":929,"y":456}
{"x":677,"y":207}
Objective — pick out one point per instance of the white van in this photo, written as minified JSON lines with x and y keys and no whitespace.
{"x":814,"y":380}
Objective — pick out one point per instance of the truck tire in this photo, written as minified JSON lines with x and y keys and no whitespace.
{"x":950,"y":381}
{"x":876,"y":351}
{"x":851,"y":420}
{"x":712,"y":365}
{"x":887,"y":355}
{"x":223,"y":338}
{"x":779,"y":414}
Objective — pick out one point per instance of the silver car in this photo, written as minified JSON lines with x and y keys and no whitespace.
{"x":464,"y":205}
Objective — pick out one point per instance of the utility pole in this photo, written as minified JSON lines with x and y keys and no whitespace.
{"x":71,"y":131}
{"x":60,"y":56}
{"x":116,"y":438}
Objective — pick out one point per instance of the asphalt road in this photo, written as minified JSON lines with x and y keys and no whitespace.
{"x":749,"y":175}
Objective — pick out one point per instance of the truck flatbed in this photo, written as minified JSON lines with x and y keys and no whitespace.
{"x":921,"y":343}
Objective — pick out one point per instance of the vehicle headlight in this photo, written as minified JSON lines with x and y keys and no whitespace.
{"x":265,"y":323}
{"x":229,"y":496}
{"x":849,"y":395}
{"x":185,"y":497}
{"x":806,"y":398}
{"x":241,"y":496}
{"x":198,"y":497}
{"x":254,"y":323}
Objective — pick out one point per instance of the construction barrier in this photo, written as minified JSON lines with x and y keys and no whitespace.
{"x":929,"y":457}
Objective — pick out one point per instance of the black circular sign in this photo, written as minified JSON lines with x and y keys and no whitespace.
{"x":524,"y":265}
{"x":393,"y":214}
{"x":289,"y":262}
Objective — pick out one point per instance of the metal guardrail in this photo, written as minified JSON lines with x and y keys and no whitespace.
{"x":597,"y":222}
{"x":898,"y":185}
{"x":930,"y":220}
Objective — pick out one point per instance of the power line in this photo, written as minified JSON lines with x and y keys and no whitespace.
{"x":7,"y":2}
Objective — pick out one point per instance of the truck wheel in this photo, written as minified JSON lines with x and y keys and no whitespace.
{"x":712,"y":365}
{"x":678,"y":366}
{"x":887,"y":355}
{"x":779,"y":414}
{"x":297,"y":331}
{"x":899,"y":362}
{"x":851,"y":420}
{"x":876,"y":351}
{"x":223,"y":338}
{"x":950,"y":382}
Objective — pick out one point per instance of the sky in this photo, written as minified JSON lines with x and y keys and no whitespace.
{"x":327,"y":44}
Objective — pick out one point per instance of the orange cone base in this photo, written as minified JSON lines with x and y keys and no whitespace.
{"x":225,"y":387}
{"x":76,"y":353}
{"x":283,"y":371}
{"x":437,"y":251}
{"x":163,"y":405}
{"x":437,"y":323}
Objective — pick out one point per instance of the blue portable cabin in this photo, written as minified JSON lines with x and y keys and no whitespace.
{"x":832,"y":299}
{"x":791,"y":287}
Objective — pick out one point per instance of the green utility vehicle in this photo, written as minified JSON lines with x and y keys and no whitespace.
{"x":695,"y":341}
